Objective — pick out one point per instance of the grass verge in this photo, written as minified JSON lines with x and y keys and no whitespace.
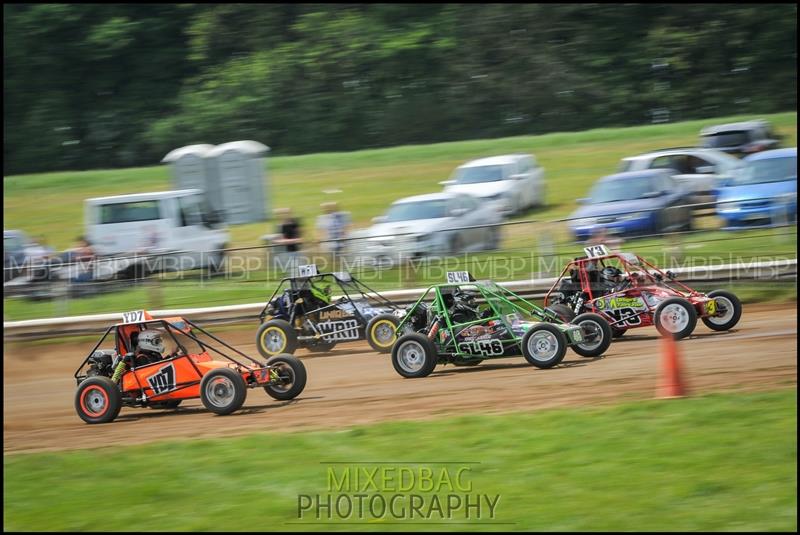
{"x":717,"y":462}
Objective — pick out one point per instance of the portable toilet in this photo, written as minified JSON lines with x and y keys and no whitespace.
{"x":240,"y":169}
{"x":192,"y":169}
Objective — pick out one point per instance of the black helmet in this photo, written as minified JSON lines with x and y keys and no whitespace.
{"x":611,"y":274}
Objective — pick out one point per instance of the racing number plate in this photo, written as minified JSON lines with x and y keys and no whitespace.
{"x":135,"y":316}
{"x":593,"y":251}
{"x":457,"y":277}
{"x":711,"y":307}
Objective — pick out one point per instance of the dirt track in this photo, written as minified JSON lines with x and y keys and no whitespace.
{"x":354,"y":385}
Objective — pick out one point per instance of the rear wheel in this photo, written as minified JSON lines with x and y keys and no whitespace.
{"x":728,"y":311}
{"x":413,"y":355}
{"x":544,"y":345}
{"x":291,"y":377}
{"x":596,"y":334}
{"x":276,"y":337}
{"x":562,"y":311}
{"x":98,"y":400}
{"x":675,"y":317}
{"x":223,"y":391}
{"x":381,"y":332}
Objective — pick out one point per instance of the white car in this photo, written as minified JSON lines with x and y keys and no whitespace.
{"x":697,"y":170}
{"x":175,"y":224}
{"x":425,"y":225}
{"x":514,"y":181}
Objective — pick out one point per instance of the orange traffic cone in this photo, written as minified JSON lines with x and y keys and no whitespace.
{"x":671,"y":385}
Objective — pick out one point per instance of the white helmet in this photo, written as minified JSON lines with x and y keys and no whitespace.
{"x":150,"y":340}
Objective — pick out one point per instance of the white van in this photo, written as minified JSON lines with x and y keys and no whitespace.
{"x":174,"y":223}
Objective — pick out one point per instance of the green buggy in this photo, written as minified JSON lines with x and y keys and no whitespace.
{"x":469,"y":321}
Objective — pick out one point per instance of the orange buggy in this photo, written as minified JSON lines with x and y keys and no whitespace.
{"x":109,"y":379}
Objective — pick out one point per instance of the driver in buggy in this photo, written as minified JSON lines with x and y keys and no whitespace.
{"x":461,"y":306}
{"x":148,"y":347}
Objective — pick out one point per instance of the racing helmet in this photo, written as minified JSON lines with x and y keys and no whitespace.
{"x":322,"y":292}
{"x":611,"y":275}
{"x":151,"y":340}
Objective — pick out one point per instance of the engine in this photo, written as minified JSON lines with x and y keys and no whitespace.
{"x":102,"y":362}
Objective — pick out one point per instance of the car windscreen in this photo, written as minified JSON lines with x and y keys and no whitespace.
{"x":408,"y":211}
{"x":475,"y":175}
{"x":725,"y":139}
{"x":127,"y":212}
{"x":767,"y":170}
{"x":622,"y":189}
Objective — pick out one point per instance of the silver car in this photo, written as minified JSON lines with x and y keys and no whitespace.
{"x":515,"y":181}
{"x":429,"y":225}
{"x":697,"y":170}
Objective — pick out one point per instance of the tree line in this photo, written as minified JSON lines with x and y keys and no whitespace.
{"x":118,"y":85}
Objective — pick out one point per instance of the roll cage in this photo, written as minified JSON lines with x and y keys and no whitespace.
{"x":123,"y":345}
{"x":638,"y":273}
{"x":300,"y":288}
{"x":500,"y":303}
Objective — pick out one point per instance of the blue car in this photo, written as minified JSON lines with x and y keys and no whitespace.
{"x":633,"y":203}
{"x":763,"y":193}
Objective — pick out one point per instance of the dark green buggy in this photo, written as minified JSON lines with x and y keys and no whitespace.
{"x":469,"y":322}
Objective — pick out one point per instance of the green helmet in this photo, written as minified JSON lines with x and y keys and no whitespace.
{"x":322,"y":293}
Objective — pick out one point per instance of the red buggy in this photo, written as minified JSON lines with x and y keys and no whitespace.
{"x":630,"y":292}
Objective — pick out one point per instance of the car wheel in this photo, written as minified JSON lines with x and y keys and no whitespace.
{"x":675,"y":317}
{"x":223,"y":391}
{"x":564,"y":312}
{"x":596,"y":334}
{"x":728,"y":311}
{"x":98,"y":400}
{"x":275,"y":337}
{"x":544,"y":345}
{"x":414,"y":356}
{"x":292,"y":377}
{"x":381,"y":332}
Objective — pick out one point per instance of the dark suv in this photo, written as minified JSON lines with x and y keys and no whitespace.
{"x":740,"y":139}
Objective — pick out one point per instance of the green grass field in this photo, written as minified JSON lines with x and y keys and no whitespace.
{"x":724,"y":462}
{"x":52,"y":205}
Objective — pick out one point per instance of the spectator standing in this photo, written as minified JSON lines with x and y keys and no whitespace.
{"x":289,"y":238}
{"x":332,"y":228}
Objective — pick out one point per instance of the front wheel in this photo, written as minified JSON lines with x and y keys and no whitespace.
{"x":544,"y":345}
{"x":381,"y":332}
{"x":291,"y":377}
{"x":223,"y":391}
{"x":276,"y":337}
{"x":596,"y":335}
{"x":98,"y":400}
{"x":675,"y":317}
{"x":727,"y":311}
{"x":413,"y":356}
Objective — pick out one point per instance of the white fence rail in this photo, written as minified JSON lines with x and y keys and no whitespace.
{"x":56,"y":327}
